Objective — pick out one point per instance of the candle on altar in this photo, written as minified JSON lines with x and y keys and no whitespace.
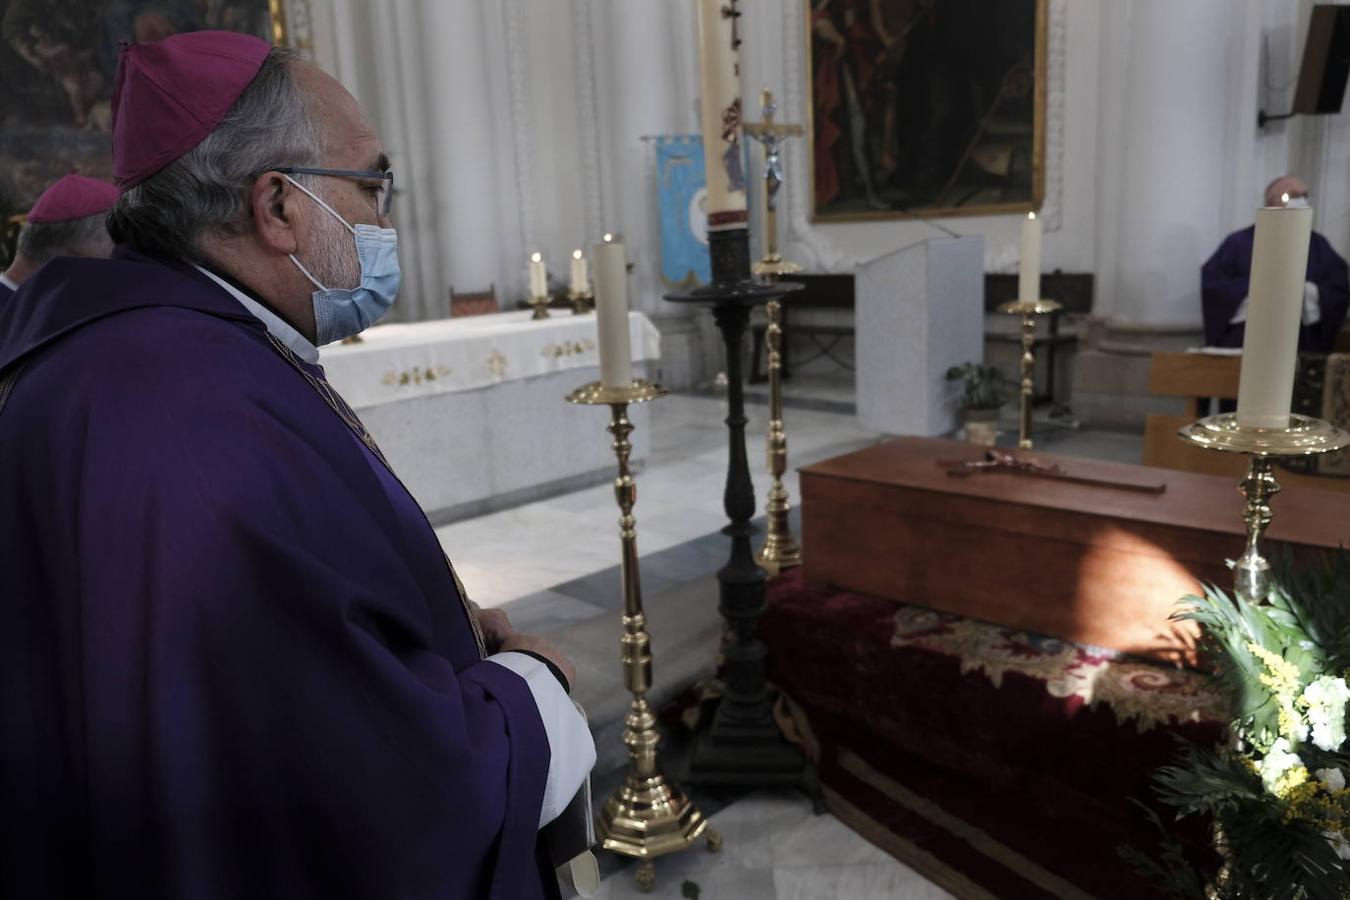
{"x":720,"y":87}
{"x":1029,"y":272}
{"x":538,"y":276}
{"x":580,"y":277}
{"x":611,"y":313}
{"x":1274,"y":313}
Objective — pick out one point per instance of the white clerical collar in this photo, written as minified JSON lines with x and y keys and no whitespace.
{"x":8,"y":282}
{"x":278,"y":327}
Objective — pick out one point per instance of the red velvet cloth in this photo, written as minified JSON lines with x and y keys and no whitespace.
{"x":1049,"y":778}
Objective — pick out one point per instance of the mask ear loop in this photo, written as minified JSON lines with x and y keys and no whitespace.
{"x":319,"y":200}
{"x":303,"y":271}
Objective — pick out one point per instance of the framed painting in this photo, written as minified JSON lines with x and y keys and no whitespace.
{"x":923,"y":108}
{"x":57,"y":62}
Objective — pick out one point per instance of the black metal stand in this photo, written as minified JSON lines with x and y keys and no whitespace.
{"x":743,"y":746}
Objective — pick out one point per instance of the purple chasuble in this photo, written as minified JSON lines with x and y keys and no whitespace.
{"x":5,"y":294}
{"x":1224,"y":281}
{"x":233,"y":660}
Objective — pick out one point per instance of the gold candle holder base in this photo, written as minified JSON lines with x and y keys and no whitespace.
{"x":540,"y":307}
{"x":1303,"y":436}
{"x":781,"y":550}
{"x":648,"y":816}
{"x":1028,"y":310}
{"x":582,"y":302}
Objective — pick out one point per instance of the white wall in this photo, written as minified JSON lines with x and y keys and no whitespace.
{"x":515,"y":125}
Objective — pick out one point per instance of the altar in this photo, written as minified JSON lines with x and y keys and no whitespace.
{"x":471,"y":411}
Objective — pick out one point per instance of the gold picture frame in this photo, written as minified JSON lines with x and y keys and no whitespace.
{"x":1023,"y":178}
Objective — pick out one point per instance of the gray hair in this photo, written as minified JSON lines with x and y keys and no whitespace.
{"x":42,"y":241}
{"x":205,"y":192}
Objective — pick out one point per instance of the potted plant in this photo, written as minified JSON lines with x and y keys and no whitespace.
{"x":984,"y":390}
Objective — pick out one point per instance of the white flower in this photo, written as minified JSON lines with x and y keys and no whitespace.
{"x":1278,"y":760}
{"x":1325,"y":699}
{"x":1332,"y":779}
{"x":1338,"y":843}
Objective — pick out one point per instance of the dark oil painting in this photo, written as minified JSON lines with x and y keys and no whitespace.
{"x":57,"y":62}
{"x":927,"y":107}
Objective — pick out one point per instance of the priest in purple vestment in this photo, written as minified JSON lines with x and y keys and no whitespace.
{"x":1225,"y":276}
{"x":66,"y":220}
{"x":234,"y":661}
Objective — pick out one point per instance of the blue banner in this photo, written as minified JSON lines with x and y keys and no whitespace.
{"x":682,"y":192}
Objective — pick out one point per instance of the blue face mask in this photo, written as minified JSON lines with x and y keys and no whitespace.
{"x":342,"y":312}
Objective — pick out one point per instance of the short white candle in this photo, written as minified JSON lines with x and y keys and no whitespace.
{"x":580,"y":277}
{"x":538,"y":276}
{"x":1029,"y":271}
{"x":611,"y":313}
{"x":719,"y":27}
{"x":1274,"y":312}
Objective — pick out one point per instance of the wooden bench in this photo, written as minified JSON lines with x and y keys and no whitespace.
{"x":1198,"y":377}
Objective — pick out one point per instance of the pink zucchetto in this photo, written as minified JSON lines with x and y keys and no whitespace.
{"x":72,"y":197}
{"x":170,"y":94}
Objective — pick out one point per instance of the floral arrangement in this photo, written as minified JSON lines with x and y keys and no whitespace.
{"x":1276,"y":791}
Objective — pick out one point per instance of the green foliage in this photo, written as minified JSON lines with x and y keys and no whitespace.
{"x":1274,"y":830}
{"x":984,"y":388}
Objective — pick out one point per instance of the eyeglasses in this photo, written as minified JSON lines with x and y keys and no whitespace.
{"x":384,"y":196}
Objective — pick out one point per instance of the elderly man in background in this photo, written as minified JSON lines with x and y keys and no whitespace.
{"x":67,"y":220}
{"x":1224,"y":279}
{"x":234,"y":661}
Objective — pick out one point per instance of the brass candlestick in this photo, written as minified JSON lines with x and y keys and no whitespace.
{"x":540,"y":306}
{"x":648,"y":816}
{"x":781,"y":550}
{"x":1028,"y":310}
{"x":582,"y":302}
{"x":1303,"y":436}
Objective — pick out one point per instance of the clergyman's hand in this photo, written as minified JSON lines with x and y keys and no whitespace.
{"x":536,"y":644}
{"x":496,"y":628}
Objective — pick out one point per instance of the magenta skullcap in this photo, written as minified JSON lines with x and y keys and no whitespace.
{"x":170,"y":94}
{"x":72,"y":197}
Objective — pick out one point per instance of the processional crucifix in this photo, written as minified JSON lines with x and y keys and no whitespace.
{"x":780,"y":550}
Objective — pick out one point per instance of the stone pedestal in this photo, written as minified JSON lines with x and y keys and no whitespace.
{"x":920,"y":310}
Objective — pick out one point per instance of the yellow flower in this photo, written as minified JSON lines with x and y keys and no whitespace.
{"x":1291,"y":779}
{"x":1283,"y":677}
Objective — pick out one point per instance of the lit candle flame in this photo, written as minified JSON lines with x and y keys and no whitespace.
{"x":608,"y":238}
{"x":576,"y":254}
{"x":1031,"y":215}
{"x":536,"y":257}
{"x":1284,"y":199}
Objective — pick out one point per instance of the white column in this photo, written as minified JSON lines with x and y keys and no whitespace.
{"x":644,"y":87}
{"x":460,"y":115}
{"x":1165,"y":105}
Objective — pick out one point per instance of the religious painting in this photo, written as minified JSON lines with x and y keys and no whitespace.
{"x":925,"y":107}
{"x":57,"y":62}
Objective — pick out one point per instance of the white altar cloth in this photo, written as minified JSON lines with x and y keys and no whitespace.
{"x":402,"y":361}
{"x":471,"y":412}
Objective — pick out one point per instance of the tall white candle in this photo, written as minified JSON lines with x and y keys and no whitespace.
{"x":1029,"y":272}
{"x":719,"y":30}
{"x":538,"y":276}
{"x":611,"y":314}
{"x":580,"y":278}
{"x":1274,"y":311}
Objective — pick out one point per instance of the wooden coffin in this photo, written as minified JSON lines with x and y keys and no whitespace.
{"x":1097,"y":565}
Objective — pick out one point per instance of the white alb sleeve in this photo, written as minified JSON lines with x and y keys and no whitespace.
{"x":571,"y":747}
{"x":1312,"y":304}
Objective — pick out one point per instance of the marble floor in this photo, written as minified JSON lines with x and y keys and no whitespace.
{"x":552,"y":565}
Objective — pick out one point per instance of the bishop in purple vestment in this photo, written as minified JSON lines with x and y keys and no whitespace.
{"x":235,"y":661}
{"x":1225,"y":276}
{"x":66,"y":220}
